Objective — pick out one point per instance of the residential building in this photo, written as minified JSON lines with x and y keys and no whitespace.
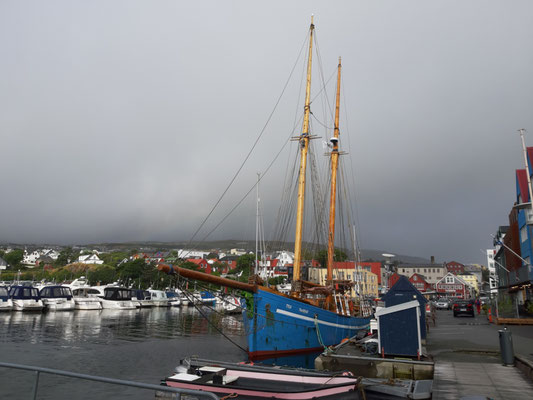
{"x":184,"y":254}
{"x":366,"y":282}
{"x":90,"y":259}
{"x":454,"y":267}
{"x":432,"y":273}
{"x":452,"y":286}
{"x":3,"y":263}
{"x":520,"y":274}
{"x":202,"y":263}
{"x":471,"y":280}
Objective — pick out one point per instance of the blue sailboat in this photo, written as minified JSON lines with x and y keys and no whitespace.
{"x":312,"y":316}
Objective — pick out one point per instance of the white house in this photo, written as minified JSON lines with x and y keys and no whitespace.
{"x":3,"y":263}
{"x":284,"y":257}
{"x":53,"y":254}
{"x":30,"y":258}
{"x":90,"y":259}
{"x":184,"y":254}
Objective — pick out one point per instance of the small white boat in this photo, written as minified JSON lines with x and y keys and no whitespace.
{"x":25,"y":298}
{"x":143,"y":297}
{"x":86,"y":298}
{"x":184,"y":300}
{"x":173,"y":299}
{"x":6,"y":304}
{"x":232,"y":304}
{"x":57,"y":298}
{"x":118,"y":298}
{"x":159,"y":298}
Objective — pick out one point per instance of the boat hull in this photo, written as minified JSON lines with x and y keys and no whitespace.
{"x":279,"y":325}
{"x":59,"y":304}
{"x":250,"y":382}
{"x":27,"y":305}
{"x":6,"y":305}
{"x":118,"y":304}
{"x":87,"y":304}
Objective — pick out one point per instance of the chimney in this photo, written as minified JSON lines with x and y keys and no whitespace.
{"x":432,"y":259}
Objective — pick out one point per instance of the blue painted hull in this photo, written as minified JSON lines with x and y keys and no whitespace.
{"x":281,"y":325}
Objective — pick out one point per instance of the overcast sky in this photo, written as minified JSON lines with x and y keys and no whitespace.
{"x":125,"y":120}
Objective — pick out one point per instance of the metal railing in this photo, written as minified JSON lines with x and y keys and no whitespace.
{"x":38,"y":370}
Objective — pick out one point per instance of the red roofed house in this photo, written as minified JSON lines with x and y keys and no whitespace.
{"x":420,"y":283}
{"x":202,"y":264}
{"x":455,"y":268}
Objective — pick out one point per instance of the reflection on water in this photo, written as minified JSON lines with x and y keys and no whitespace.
{"x":143,"y":345}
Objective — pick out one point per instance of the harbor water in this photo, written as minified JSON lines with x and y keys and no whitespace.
{"x":142,"y":345}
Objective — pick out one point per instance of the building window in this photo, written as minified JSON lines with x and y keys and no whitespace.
{"x":449,"y":279}
{"x":523,"y":234}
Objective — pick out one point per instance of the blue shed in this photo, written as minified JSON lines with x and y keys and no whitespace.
{"x":403,"y":291}
{"x":399,"y":329}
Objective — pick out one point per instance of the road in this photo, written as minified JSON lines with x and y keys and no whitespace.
{"x":467,"y":359}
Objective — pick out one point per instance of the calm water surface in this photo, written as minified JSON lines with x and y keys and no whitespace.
{"x":140,"y":345}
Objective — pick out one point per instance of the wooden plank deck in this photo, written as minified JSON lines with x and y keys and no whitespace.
{"x":514,"y":321}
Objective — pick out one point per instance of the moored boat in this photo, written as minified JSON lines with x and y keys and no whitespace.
{"x":173,"y":299}
{"x":118,"y":298}
{"x":231,"y":304}
{"x":6,"y":304}
{"x":159,"y":298}
{"x":258,"y":382}
{"x":311,"y":315}
{"x":86,"y":298}
{"x":57,"y":298}
{"x":25,"y":298}
{"x":143,"y":297}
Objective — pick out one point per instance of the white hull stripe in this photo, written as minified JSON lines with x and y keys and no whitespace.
{"x":309,"y":319}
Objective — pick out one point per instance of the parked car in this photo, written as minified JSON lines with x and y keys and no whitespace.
{"x":463,"y":307}
{"x":442,"y":304}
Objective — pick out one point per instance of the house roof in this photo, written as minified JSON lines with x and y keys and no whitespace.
{"x":521,"y":178}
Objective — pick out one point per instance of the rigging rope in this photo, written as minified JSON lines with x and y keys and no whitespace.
{"x":251,"y":150}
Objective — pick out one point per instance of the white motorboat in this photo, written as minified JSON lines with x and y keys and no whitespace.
{"x":184,"y":300}
{"x":159,"y":298}
{"x":57,"y":298}
{"x":118,"y":298}
{"x":232,"y":304}
{"x":173,"y":299}
{"x":143,"y":297}
{"x":25,"y":298}
{"x":86,"y":298}
{"x":6,"y":304}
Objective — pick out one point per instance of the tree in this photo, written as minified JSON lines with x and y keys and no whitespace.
{"x":114,"y":258}
{"x":322,"y":256}
{"x":103,"y":274}
{"x":66,"y":256}
{"x":245,"y":264}
{"x":189,"y":265}
{"x":14,"y":258}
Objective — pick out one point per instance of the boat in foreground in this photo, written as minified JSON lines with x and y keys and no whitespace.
{"x":57,"y":298}
{"x":6,"y":304}
{"x":118,"y":298}
{"x":245,"y":381}
{"x":25,"y":298}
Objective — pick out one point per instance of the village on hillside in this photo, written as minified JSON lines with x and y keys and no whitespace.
{"x":371,"y":278}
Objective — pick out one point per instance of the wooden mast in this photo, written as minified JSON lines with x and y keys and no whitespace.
{"x":333,"y":194}
{"x":304,"y":146}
